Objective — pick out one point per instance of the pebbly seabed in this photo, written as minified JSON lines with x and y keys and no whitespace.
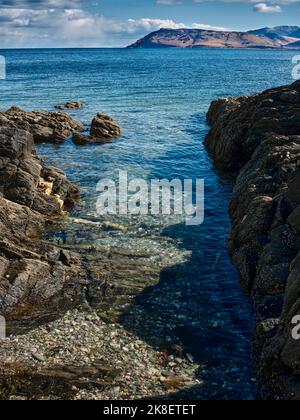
{"x":90,"y":330}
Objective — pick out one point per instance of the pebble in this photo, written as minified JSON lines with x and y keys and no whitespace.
{"x":39,"y":357}
{"x":142,"y":373}
{"x":190,"y":358}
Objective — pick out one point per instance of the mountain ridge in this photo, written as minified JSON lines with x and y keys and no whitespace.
{"x":279,"y":37}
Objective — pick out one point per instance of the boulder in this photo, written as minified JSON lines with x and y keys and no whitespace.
{"x":70,"y":105}
{"x":104,"y":127}
{"x":103,"y":130}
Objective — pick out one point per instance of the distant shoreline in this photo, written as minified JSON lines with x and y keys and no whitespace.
{"x":280,"y":37}
{"x":146,"y":48}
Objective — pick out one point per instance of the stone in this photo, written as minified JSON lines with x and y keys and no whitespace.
{"x":71,"y":105}
{"x":103,"y":130}
{"x":104,"y":127}
{"x":39,"y":357}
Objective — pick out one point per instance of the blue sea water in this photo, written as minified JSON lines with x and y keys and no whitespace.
{"x":161,"y":97}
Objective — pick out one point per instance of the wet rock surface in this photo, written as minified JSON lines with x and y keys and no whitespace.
{"x":258,"y":137}
{"x":45,"y":127}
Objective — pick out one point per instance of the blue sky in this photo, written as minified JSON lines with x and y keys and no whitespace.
{"x":116,"y":23}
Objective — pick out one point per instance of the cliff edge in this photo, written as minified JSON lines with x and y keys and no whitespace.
{"x":258,"y":138}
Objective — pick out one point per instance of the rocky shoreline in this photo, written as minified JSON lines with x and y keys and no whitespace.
{"x":63,"y":302}
{"x":34,"y":275}
{"x":257,"y":138}
{"x":65,"y":339}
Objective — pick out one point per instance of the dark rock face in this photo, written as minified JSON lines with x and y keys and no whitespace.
{"x":26,"y":180}
{"x":259,"y":138}
{"x":33,"y":274}
{"x":103,"y":129}
{"x":45,"y":127}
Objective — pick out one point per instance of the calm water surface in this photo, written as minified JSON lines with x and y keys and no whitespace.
{"x":161,"y":98}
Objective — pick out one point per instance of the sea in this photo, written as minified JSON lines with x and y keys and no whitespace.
{"x":160,"y":97}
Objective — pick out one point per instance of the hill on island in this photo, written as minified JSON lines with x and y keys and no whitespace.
{"x":281,"y":37}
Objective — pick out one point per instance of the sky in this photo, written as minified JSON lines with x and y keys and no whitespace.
{"x":118,"y":23}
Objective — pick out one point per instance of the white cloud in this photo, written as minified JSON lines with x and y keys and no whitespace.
{"x":71,"y":27}
{"x":69,"y":23}
{"x":276,"y":2}
{"x":168,"y":2}
{"x":264,"y":8}
{"x":155,"y":24}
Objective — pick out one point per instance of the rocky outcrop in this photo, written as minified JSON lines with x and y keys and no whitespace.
{"x":27,"y":180}
{"x":103,"y":129}
{"x":70,"y":105}
{"x":258,"y":137}
{"x":34,"y":275}
{"x":45,"y":127}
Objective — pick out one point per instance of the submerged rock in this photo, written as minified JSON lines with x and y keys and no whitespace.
{"x":259,"y":138}
{"x":45,"y":127}
{"x":82,"y":140}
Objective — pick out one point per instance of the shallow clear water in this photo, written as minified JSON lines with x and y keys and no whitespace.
{"x":161,"y":98}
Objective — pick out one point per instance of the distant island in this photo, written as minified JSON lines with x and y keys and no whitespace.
{"x":280,"y":37}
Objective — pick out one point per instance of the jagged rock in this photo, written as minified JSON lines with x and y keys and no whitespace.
{"x":103,"y":130}
{"x":258,"y":137}
{"x":239,"y":125}
{"x":45,"y":127}
{"x":104,"y":127}
{"x":26,"y":180}
{"x":70,"y":105}
{"x":33,"y":274}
